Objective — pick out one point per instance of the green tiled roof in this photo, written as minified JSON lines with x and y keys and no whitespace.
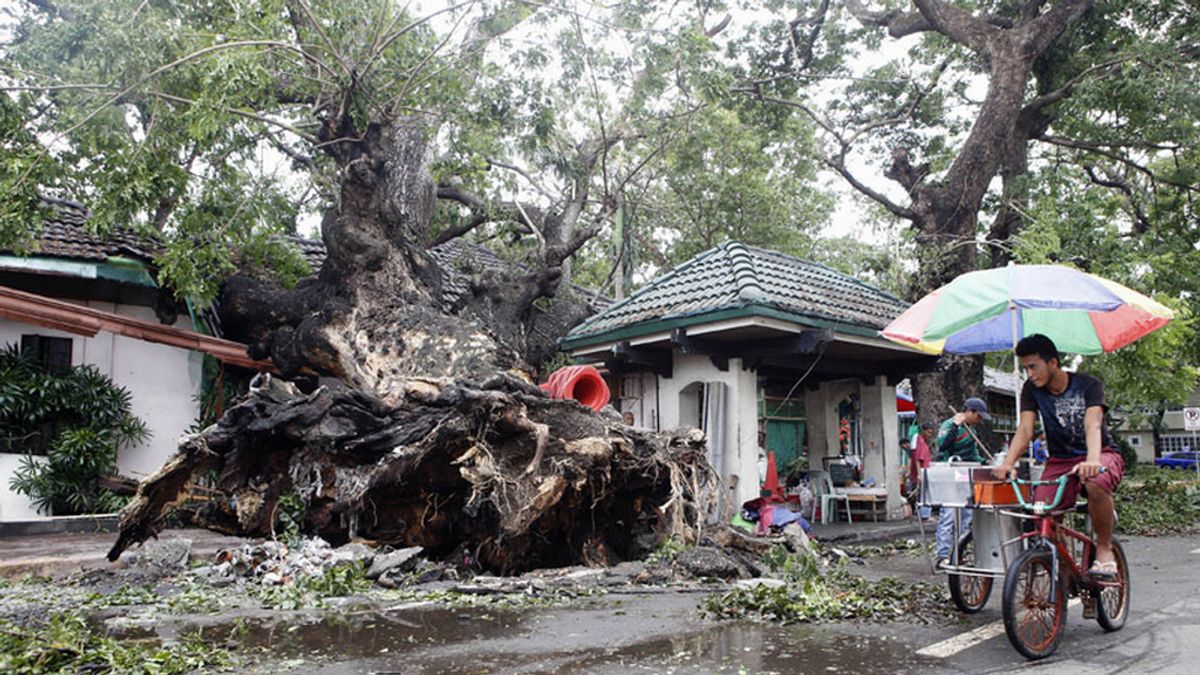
{"x":734,"y":280}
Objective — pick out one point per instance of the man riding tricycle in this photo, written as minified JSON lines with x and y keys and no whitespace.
{"x":1045,"y":561}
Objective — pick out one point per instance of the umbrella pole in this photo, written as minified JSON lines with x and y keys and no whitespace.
{"x":1012,"y":308}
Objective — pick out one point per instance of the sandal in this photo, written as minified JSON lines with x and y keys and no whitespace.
{"x":1104,"y":570}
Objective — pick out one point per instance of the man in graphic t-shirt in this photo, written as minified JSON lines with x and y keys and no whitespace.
{"x":1072,"y":408}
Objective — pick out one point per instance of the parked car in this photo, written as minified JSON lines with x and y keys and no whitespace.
{"x":1184,"y":459}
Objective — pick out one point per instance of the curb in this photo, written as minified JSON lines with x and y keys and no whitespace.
{"x":59,"y":525}
{"x":872,"y":537}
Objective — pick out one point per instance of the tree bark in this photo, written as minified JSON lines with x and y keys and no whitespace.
{"x":373,"y":316}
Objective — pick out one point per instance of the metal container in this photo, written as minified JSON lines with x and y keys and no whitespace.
{"x":947,"y":484}
{"x":990,"y":530}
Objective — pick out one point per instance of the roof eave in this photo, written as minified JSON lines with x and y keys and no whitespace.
{"x":569,"y":343}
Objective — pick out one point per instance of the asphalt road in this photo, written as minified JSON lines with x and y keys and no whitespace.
{"x":664,"y":634}
{"x":1162,"y":634}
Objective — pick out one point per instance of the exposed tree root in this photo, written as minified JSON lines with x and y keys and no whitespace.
{"x":497,"y":474}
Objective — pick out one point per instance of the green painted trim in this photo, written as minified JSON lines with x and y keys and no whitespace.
{"x":659,"y":325}
{"x":66,"y":266}
{"x":125,"y":270}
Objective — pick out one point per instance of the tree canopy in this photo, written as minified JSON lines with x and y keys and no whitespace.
{"x":572,"y":136}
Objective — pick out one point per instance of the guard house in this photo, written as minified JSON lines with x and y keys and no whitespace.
{"x":760,"y":349}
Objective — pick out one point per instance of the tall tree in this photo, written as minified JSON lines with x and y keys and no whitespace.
{"x":159,"y":113}
{"x":728,"y":177}
{"x":918,"y":116}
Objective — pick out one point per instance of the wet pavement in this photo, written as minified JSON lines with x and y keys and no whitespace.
{"x":662,"y":630}
{"x":665,"y":633}
{"x":653,"y":633}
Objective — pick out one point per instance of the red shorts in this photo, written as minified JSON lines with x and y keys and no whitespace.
{"x":1057,"y":466}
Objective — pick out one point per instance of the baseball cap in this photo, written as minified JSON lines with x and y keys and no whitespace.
{"x":978,"y":406}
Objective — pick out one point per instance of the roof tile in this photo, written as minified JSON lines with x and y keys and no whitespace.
{"x":735,"y":275}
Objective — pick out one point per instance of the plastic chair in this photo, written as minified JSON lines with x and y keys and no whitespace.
{"x":823,"y":488}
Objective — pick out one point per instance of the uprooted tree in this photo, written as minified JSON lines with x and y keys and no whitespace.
{"x":437,"y":438}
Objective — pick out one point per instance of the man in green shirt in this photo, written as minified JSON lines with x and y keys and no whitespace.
{"x":954,"y":440}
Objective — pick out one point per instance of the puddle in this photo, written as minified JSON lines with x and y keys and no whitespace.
{"x":729,"y":648}
{"x":365,"y":634}
{"x":663,"y":634}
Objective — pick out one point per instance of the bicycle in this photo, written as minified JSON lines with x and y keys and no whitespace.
{"x":1037,"y":583}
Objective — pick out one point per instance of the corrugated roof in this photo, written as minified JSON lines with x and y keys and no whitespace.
{"x":734,"y":276}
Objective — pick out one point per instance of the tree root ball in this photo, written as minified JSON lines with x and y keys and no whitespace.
{"x":495,"y":476}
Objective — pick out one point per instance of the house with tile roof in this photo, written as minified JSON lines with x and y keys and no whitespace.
{"x":760,"y":349}
{"x":113,"y":277}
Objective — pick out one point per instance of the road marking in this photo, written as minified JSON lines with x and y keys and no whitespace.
{"x":956,"y":644}
{"x":1196,"y":551}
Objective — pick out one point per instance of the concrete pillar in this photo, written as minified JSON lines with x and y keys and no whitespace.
{"x":881,"y":445}
{"x":818,"y":415}
{"x":738,"y":442}
{"x":741,"y":433}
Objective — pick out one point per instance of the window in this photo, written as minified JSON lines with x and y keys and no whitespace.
{"x":1176,"y":443}
{"x":51,"y":353}
{"x":1135,"y":441}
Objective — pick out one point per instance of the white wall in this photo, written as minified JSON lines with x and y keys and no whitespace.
{"x":1142,"y":441}
{"x":14,"y":506}
{"x":738,"y":446}
{"x":163,"y":381}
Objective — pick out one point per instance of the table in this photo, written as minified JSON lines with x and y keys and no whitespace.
{"x":866,"y":502}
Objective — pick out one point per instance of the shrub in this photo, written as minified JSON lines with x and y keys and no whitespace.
{"x":1160,"y":505}
{"x":78,"y":419}
{"x":1128,"y":453}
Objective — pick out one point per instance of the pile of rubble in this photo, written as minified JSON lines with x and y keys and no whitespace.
{"x":276,"y":563}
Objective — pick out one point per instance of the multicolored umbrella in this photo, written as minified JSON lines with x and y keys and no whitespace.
{"x":991,"y":310}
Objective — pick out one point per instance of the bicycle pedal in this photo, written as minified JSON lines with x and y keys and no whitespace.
{"x":1089,"y":607}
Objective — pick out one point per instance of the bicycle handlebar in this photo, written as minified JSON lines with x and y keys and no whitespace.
{"x":1036,"y":506}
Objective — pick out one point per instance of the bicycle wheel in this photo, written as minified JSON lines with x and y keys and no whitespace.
{"x":1113,"y":605}
{"x":969,"y":592}
{"x":1034,"y":617}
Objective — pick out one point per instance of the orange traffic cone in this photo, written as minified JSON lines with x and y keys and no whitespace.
{"x":771,"y":484}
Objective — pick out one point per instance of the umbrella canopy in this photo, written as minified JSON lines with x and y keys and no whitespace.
{"x":991,"y":310}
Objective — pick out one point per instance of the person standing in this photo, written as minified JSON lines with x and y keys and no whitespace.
{"x":955,"y":440}
{"x":1038,"y":448}
{"x":921,"y":457}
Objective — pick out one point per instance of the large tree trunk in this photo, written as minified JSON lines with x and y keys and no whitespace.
{"x":373,"y":316}
{"x":946,"y":217}
{"x":497,"y":474}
